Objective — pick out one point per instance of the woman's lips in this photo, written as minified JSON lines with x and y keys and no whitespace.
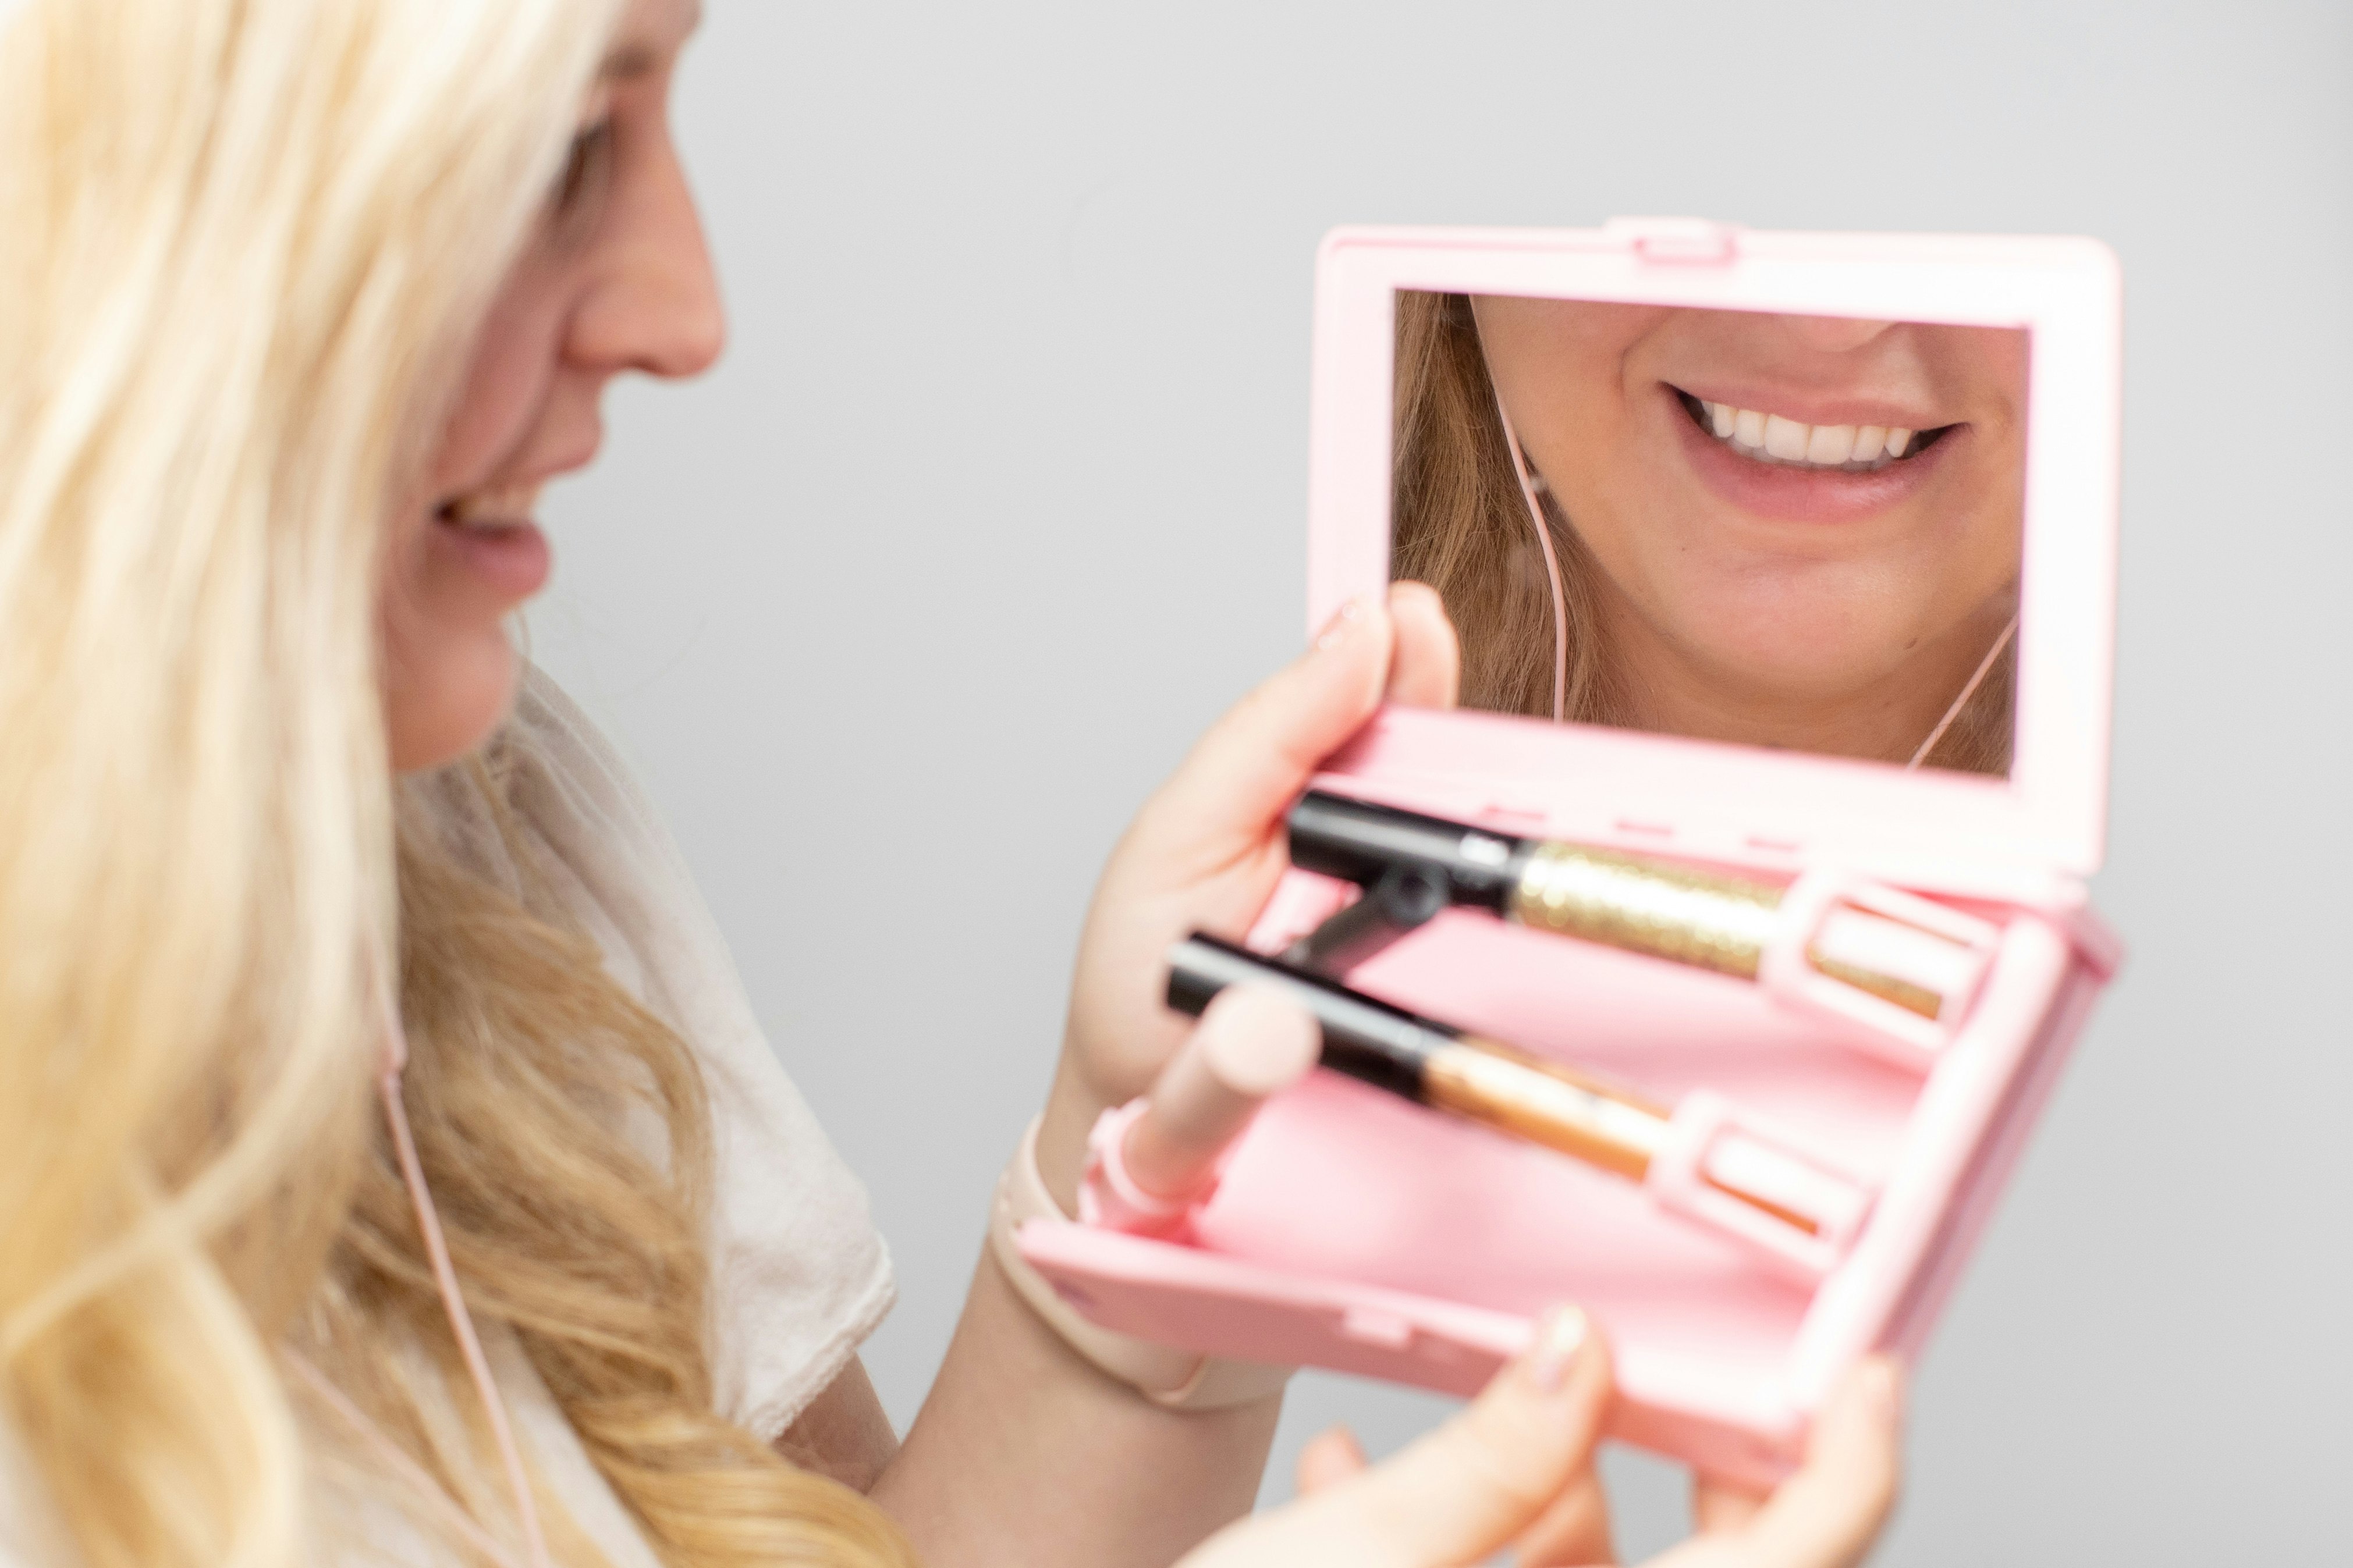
{"x":1789,"y":493}
{"x":491,"y":535}
{"x":513,"y":559}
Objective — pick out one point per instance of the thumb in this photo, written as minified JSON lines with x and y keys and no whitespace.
{"x":1426,"y":670}
{"x":1471,"y":1486}
{"x":1242,"y":774}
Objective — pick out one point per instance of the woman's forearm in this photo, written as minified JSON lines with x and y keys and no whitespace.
{"x":1026,"y":1456}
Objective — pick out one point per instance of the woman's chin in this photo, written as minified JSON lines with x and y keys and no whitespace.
{"x":441,"y":707}
{"x":1763,"y":683}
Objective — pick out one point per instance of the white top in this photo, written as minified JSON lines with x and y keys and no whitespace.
{"x":802,"y":1277}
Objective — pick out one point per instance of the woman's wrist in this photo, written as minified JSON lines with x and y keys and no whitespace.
{"x":1170,"y":1377}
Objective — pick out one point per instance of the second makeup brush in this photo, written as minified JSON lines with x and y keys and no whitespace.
{"x":1508,"y":1089}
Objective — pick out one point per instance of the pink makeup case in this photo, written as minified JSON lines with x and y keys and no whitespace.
{"x":1352,"y":1231}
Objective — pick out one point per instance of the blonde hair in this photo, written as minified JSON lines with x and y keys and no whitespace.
{"x":246,"y":243}
{"x":1459,"y":523}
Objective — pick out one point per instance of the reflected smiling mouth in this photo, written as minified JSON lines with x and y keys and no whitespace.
{"x":1772,"y":440}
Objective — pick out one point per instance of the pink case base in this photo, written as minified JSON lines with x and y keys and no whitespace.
{"x":1355,"y":1232}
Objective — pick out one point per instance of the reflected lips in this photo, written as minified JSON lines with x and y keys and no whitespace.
{"x":1791,"y":494}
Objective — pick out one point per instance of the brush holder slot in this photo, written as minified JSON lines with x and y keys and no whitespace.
{"x":1715,"y":1148}
{"x":1791,"y":968}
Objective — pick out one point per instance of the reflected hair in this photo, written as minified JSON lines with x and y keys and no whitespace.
{"x":249,"y":243}
{"x":1460,"y":523}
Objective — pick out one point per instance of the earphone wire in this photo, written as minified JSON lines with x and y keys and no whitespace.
{"x":444,"y":1277}
{"x":1552,"y":562}
{"x":398,"y":1463}
{"x":1985,"y":668}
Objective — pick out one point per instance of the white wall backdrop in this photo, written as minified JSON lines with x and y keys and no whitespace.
{"x":997,"y":501}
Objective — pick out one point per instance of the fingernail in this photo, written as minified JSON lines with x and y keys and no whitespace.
{"x":1338,"y":625}
{"x":1560,"y":1334}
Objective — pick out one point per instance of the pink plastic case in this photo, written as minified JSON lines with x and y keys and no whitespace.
{"x":1355,"y":1232}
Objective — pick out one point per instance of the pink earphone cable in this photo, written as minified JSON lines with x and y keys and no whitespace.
{"x":1985,"y":667}
{"x":398,"y":1465}
{"x":1528,"y":483}
{"x":444,"y":1276}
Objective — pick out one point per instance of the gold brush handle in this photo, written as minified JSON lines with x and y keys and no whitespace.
{"x":1513,"y":1091}
{"x":1698,"y":918}
{"x":1565,"y":1111}
{"x":1642,"y":906}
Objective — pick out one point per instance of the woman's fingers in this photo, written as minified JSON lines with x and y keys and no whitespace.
{"x":1458,"y":1494}
{"x":1242,"y":774}
{"x":1573,"y":1533}
{"x":1827,"y":1514}
{"x":1331,"y":1456}
{"x":1426,"y":670}
{"x":1475,"y":1483}
{"x":1204,"y":853}
{"x":1208,"y":850}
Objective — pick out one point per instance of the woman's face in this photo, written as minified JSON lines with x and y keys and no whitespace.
{"x":616,"y":279}
{"x":1790,"y":598}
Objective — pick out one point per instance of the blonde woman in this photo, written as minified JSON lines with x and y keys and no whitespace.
{"x":390,"y":1167}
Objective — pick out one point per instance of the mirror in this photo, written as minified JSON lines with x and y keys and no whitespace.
{"x":1795,"y":532}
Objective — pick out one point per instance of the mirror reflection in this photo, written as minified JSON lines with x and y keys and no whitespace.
{"x":1797,"y":532}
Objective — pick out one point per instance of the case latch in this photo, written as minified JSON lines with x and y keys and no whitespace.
{"x":1677,"y":241}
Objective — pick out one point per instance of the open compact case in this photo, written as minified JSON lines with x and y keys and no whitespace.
{"x":1800,"y":1010}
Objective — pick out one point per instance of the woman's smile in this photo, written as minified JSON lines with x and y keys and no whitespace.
{"x":494,"y":535}
{"x":1777,"y":467}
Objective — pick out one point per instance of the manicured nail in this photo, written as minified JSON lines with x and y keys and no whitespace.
{"x":1560,"y":1334}
{"x":1338,"y":625}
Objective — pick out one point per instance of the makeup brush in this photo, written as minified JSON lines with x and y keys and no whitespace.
{"x":1412,"y":864}
{"x":1511,"y":1090}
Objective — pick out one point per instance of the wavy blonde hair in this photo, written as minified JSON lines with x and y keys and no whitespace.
{"x":246,"y":245}
{"x":1461,"y":525}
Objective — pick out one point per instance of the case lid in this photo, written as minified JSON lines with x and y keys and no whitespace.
{"x":2030,"y":836}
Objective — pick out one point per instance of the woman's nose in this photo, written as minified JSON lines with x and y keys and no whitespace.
{"x":654,"y":305}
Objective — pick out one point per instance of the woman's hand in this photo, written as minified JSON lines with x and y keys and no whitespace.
{"x":1515,"y":1469}
{"x":1206,"y":850}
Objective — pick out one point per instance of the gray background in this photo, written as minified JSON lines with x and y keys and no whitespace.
{"x":996,"y":501}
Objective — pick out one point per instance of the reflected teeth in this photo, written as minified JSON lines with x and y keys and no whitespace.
{"x":502,"y":506}
{"x":1770,"y":438}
